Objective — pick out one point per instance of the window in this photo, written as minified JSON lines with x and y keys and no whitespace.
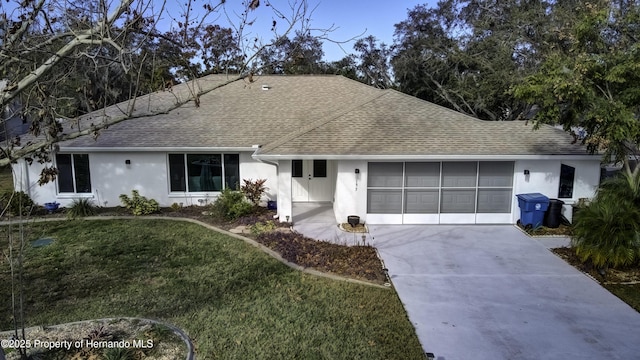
{"x":203,"y":172}
{"x":567,"y":175}
{"x":320,"y":168}
{"x":73,"y":173}
{"x":296,"y":168}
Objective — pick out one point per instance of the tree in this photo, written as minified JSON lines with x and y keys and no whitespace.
{"x":374,"y":68}
{"x":47,"y":45}
{"x":300,"y":55}
{"x":220,"y":52}
{"x":59,"y":60}
{"x":466,"y":54}
{"x":594,"y":84}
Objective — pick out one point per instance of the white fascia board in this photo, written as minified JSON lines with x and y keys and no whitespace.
{"x":427,"y":157}
{"x":91,"y":149}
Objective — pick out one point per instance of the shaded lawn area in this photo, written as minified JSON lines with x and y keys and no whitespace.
{"x":234,"y":301}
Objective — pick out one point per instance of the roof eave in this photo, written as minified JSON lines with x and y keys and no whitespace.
{"x":274,"y":157}
{"x":90,"y":149}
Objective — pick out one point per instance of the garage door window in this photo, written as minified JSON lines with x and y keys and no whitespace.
{"x":385,"y":188}
{"x":459,"y":187}
{"x":422,"y":183}
{"x":495,"y":179}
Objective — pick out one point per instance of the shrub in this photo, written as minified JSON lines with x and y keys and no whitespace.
{"x":254,"y":190}
{"x":607,"y":232}
{"x":231,"y":205}
{"x":138,"y":204}
{"x":80,"y":208}
{"x":18,"y":202}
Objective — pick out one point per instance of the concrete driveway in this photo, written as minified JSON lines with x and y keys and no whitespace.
{"x":491,"y":292}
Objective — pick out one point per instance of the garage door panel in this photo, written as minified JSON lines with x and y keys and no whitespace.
{"x":494,"y":200}
{"x":421,"y":201}
{"x":422,"y":174}
{"x":459,"y":174}
{"x":495,"y":174}
{"x":458,"y":201}
{"x":384,"y":202}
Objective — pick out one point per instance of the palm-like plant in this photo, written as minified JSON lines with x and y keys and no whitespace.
{"x":607,"y":232}
{"x":81,"y":207}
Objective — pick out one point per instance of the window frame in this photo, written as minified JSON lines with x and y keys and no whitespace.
{"x":183,"y":177}
{"x":568,"y":194}
{"x":75,"y":177}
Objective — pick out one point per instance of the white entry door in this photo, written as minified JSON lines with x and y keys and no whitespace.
{"x":310,"y":180}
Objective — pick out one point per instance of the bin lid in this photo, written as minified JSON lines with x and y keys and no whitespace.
{"x":533,"y":197}
{"x":556,"y":201}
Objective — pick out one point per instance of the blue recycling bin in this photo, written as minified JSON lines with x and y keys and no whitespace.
{"x":532,"y":208}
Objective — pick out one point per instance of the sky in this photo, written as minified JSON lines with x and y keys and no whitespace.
{"x":350,"y":18}
{"x":354,"y":17}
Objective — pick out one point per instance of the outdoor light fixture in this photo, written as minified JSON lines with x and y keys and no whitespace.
{"x":128,"y":162}
{"x":357,"y":171}
{"x":526,"y":172}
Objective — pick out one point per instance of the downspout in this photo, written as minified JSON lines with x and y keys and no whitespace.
{"x":254,"y":156}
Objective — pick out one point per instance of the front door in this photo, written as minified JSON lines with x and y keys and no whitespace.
{"x":310,"y":181}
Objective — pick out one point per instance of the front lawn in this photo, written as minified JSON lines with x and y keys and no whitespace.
{"x":233,"y":300}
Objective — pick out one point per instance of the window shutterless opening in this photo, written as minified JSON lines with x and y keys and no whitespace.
{"x":567,"y":177}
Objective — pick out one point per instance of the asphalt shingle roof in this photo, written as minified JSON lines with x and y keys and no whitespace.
{"x":319,"y":115}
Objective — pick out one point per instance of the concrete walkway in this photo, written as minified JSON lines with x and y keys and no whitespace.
{"x":491,"y":292}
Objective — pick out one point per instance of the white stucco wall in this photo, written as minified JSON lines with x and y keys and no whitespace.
{"x":544,"y":178}
{"x":285,"y":208}
{"x":350,"y":196}
{"x":147,"y":173}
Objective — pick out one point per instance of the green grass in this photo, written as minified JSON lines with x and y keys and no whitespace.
{"x":628,"y":293}
{"x":234,"y":301}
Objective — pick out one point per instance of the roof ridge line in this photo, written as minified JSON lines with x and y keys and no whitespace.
{"x":314,"y":124}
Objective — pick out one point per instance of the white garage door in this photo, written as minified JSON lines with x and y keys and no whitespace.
{"x":440,"y":192}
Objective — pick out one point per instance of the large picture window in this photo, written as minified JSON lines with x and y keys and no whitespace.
{"x":73,"y":173}
{"x":203,"y":172}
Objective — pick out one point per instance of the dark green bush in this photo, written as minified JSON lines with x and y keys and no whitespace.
{"x":81,"y":207}
{"x":18,"y":202}
{"x":231,"y":205}
{"x":138,"y":204}
{"x":607,"y":232}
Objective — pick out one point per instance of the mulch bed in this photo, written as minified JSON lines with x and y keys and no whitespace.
{"x":610,"y":276}
{"x":360,"y":262}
